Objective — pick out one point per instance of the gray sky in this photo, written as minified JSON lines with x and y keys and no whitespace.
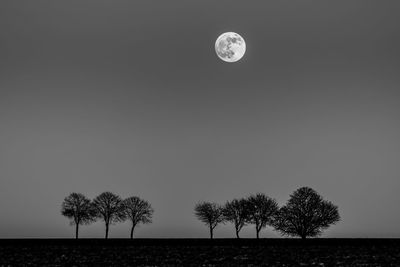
{"x":129,"y":97}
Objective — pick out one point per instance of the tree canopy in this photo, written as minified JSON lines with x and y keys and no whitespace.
{"x":137,"y":211}
{"x":236,"y":212}
{"x":209,"y":213}
{"x":109,"y":207}
{"x":261,"y":211}
{"x":79,"y":210}
{"x":306,"y":214}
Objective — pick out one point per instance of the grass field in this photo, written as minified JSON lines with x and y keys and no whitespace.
{"x":200,"y":252}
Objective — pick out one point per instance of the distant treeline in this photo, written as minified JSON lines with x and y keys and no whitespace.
{"x":306,"y":214}
{"x":107,"y":207}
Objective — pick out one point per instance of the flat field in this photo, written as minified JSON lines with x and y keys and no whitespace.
{"x":200,"y":252}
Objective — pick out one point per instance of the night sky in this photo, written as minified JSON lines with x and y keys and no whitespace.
{"x":130,"y":97}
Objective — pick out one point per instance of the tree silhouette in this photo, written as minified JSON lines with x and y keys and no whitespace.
{"x":79,"y":210}
{"x":137,"y":211}
{"x":261,"y":211}
{"x":210,"y":214}
{"x":109,"y":207}
{"x":306,"y":214}
{"x":235,"y":211}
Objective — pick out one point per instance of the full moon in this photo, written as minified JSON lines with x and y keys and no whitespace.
{"x":230,"y":47}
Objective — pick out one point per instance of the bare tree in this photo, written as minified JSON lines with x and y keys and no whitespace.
{"x":236,"y":212}
{"x":306,"y":214}
{"x":210,"y":214}
{"x":79,"y":210}
{"x":109,"y":208}
{"x":137,"y":211}
{"x":261,"y":211}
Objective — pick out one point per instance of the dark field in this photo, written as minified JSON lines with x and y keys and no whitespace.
{"x":200,"y":252}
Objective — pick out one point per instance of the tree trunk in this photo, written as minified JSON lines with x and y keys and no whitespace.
{"x":76,"y":231}
{"x":132,"y":229}
{"x":303,"y":237}
{"x":257,"y":232}
{"x":211,"y":232}
{"x":237,"y":233}
{"x":106,"y":230}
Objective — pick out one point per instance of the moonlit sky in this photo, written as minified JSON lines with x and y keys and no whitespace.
{"x":130,"y":97}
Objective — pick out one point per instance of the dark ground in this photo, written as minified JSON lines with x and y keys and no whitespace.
{"x":200,"y":252}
